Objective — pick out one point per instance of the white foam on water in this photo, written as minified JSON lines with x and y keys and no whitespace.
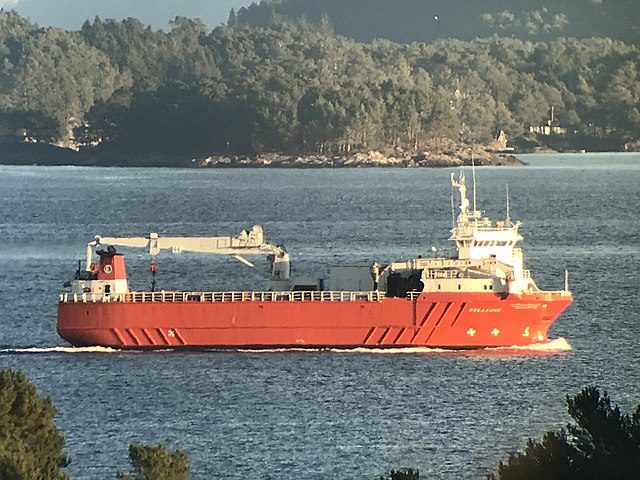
{"x":374,"y":351}
{"x":551,"y":346}
{"x":61,"y":350}
{"x":392,"y":351}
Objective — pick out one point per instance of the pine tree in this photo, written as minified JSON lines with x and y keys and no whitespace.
{"x":155,"y":462}
{"x":31,"y":446}
{"x":603,"y":443}
{"x":403,"y":474}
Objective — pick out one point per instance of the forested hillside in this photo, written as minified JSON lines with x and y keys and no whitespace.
{"x":427,"y":20}
{"x":302,"y":89}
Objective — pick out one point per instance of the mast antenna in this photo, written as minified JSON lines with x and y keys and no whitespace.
{"x":508,"y":220}
{"x":473,"y":171}
{"x":453,"y":208}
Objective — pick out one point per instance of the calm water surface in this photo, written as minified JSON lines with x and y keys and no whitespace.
{"x":320,"y":415}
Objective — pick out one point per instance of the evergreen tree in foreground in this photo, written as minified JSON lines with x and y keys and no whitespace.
{"x":604,"y":444}
{"x":156,"y":463}
{"x":403,"y":474}
{"x":31,"y":446}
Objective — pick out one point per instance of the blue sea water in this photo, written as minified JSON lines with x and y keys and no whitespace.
{"x":309,"y":414}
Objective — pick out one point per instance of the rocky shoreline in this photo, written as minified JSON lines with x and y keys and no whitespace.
{"x":447,"y":155}
{"x":363,"y":160}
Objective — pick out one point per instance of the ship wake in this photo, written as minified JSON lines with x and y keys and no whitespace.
{"x":38,"y":350}
{"x":557,"y":345}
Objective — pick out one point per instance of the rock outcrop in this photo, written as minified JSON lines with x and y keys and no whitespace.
{"x":444,"y":153}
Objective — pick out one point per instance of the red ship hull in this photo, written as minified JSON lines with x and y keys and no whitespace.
{"x":448,"y":320}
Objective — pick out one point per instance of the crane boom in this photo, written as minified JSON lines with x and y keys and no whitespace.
{"x":249,"y":242}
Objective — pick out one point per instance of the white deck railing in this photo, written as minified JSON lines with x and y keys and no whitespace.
{"x":178,"y":297}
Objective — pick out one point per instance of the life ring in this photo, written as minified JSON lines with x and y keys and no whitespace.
{"x":107,"y":269}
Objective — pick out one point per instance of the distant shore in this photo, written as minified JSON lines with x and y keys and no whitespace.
{"x":444,"y":155}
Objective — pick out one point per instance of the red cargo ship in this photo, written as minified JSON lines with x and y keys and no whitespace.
{"x":481,"y":297}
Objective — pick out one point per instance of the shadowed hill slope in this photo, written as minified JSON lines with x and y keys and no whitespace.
{"x":406,"y":21}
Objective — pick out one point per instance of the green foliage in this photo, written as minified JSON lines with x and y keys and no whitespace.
{"x":31,"y":447}
{"x":428,"y":20}
{"x":603,"y":443}
{"x":299,"y":88}
{"x":403,"y":474}
{"x":156,"y":463}
{"x":292,"y":88}
{"x":51,"y":75}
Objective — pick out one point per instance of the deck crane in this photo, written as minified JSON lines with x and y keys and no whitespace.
{"x":249,"y":242}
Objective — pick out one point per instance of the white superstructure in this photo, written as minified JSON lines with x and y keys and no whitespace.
{"x":487,"y":258}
